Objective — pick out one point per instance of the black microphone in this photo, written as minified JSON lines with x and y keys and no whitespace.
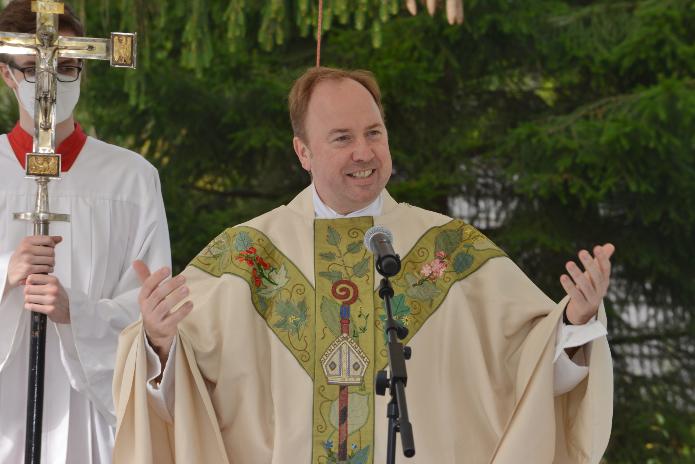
{"x":379,"y":241}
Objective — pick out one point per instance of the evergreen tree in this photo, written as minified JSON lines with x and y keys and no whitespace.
{"x":552,"y":125}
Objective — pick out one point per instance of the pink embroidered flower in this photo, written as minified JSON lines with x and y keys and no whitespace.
{"x":438,"y":268}
{"x":435,"y":269}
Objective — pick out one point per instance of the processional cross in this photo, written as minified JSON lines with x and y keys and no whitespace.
{"x":43,"y":163}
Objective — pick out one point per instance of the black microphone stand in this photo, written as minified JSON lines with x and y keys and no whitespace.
{"x":397,"y":409}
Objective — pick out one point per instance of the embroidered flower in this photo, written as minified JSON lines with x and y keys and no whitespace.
{"x":438,"y":268}
{"x":328,"y":444}
{"x":256,"y":278}
{"x":433,"y":270}
{"x":260,"y":269}
{"x":263,"y":264}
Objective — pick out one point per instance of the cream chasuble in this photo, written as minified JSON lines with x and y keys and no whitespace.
{"x":276,"y":363}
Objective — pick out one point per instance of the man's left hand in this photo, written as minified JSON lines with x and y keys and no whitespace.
{"x":45,"y":294}
{"x":586,"y":289}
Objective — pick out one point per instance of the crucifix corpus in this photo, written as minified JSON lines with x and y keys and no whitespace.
{"x":43,"y":163}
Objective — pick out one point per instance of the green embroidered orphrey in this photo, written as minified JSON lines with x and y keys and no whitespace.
{"x":335,"y":329}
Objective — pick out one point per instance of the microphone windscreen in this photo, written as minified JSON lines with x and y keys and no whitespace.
{"x":371,"y":232}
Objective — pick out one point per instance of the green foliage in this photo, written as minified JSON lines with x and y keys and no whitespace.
{"x":572,"y":120}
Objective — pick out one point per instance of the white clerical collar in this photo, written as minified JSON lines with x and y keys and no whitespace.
{"x":323,"y":211}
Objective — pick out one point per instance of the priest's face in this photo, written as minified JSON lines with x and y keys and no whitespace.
{"x":346,"y":147}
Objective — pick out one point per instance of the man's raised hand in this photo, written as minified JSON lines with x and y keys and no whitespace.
{"x":158,"y":297}
{"x":587,"y":288}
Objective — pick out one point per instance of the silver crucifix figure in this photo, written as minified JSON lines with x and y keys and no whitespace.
{"x":43,"y":163}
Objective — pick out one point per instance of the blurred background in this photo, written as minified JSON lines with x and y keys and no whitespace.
{"x":551,"y":125}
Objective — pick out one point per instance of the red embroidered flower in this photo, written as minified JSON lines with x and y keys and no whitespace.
{"x":256,"y":278}
{"x":262,"y":262}
{"x":257,"y":264}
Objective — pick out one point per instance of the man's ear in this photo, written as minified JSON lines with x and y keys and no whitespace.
{"x":303,"y":153}
{"x":5,"y":73}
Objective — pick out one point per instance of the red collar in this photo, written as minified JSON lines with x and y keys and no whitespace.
{"x":22,"y":143}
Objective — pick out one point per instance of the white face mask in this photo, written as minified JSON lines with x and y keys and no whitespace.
{"x":67,"y":97}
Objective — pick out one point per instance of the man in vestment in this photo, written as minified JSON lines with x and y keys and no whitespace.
{"x":265,"y":349}
{"x":90,"y":291}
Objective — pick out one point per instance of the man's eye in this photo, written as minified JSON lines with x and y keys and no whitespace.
{"x":374,"y":133}
{"x":342,"y":139}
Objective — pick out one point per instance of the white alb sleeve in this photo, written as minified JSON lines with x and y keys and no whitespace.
{"x":569,"y":372}
{"x":161,"y":395}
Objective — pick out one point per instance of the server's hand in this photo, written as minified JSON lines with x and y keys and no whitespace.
{"x":33,"y":255}
{"x":45,"y":294}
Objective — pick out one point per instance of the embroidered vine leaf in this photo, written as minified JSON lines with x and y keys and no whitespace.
{"x":411,"y":279}
{"x":333,"y":237}
{"x":361,"y":456}
{"x":217,"y":255}
{"x":330,"y":313}
{"x":400,"y":311}
{"x":362,"y":268}
{"x":425,"y":291}
{"x":224,"y":259}
{"x":447,"y":241}
{"x":399,"y":308}
{"x":221,"y":244}
{"x":280,"y":279}
{"x":358,"y":412}
{"x":303,"y":312}
{"x":262,"y":305}
{"x":401,"y":283}
{"x":483,"y":243}
{"x":354,"y":247}
{"x":279,"y":276}
{"x":327,"y":256}
{"x":242,"y":241}
{"x":292,"y":316}
{"x":333,"y":276}
{"x":462,"y":261}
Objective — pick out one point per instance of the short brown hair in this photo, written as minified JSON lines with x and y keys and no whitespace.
{"x":304,"y":87}
{"x":18,"y":17}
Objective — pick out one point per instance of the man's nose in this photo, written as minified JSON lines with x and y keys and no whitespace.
{"x":363,"y":151}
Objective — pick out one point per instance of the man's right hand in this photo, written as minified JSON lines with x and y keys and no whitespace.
{"x":34,"y":255}
{"x":157,"y":298}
